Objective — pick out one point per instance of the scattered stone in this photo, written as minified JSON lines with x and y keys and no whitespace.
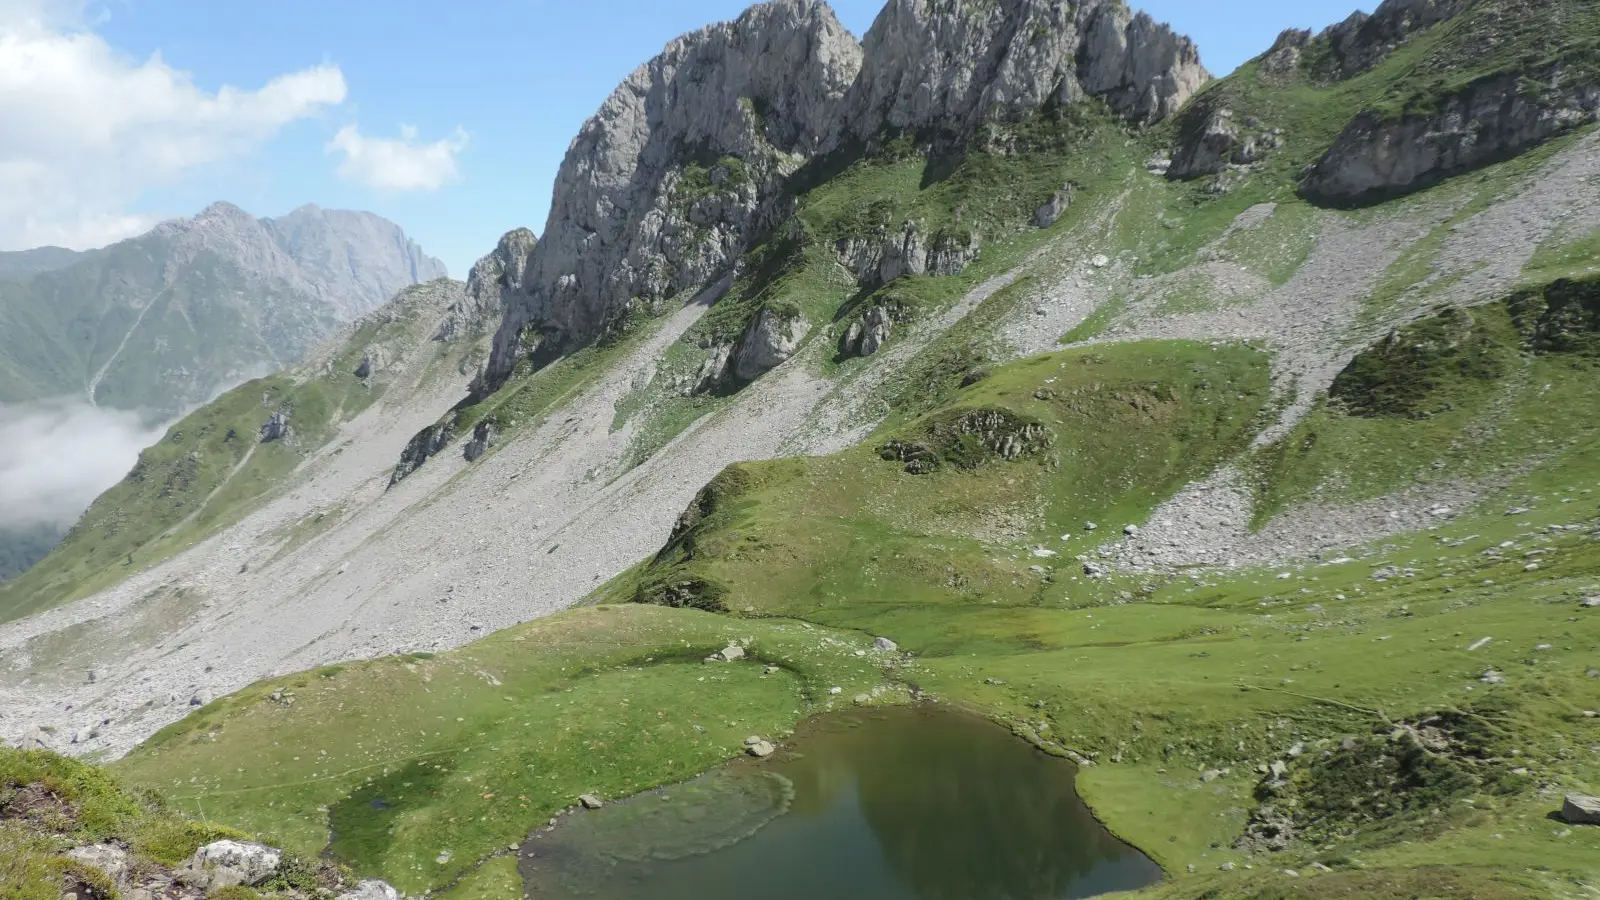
{"x":1580,"y":809}
{"x":1591,"y":602}
{"x":373,"y":889}
{"x":835,"y":691}
{"x":1100,"y":261}
{"x":884,"y":644}
{"x":771,"y":670}
{"x":761,"y":749}
{"x":108,"y":858}
{"x":863,"y":699}
{"x":199,"y":698}
{"x":1089,"y":526}
{"x":1226,"y":867}
{"x":276,"y":428}
{"x":727,"y":654}
{"x":230,"y":863}
{"x":1492,"y":677}
{"x":1479,"y":644}
{"x":590,"y":801}
{"x":1130,"y":530}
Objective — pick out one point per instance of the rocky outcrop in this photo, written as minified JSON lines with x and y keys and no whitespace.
{"x":877,"y":259}
{"x":968,"y":440}
{"x":769,"y":340}
{"x":372,"y":362}
{"x":1378,"y":157}
{"x":492,"y":285}
{"x":944,"y":68}
{"x":868,"y":334}
{"x":665,"y":187}
{"x":276,"y":428}
{"x":1051,"y":210}
{"x":225,"y":864}
{"x":427,"y":443}
{"x":483,"y":436}
{"x":631,"y":223}
{"x":1211,"y":140}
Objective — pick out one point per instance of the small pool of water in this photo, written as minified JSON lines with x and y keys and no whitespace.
{"x":901,"y":804}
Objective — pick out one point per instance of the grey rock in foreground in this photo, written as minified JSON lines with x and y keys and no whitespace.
{"x":1580,"y":809}
{"x":229,"y":863}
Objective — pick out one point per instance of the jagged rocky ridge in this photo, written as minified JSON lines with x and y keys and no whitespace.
{"x":685,"y":164}
{"x":469,"y":313}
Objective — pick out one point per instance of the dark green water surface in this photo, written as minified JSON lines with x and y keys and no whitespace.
{"x":902,"y":804}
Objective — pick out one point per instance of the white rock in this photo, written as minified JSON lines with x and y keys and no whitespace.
{"x":1100,"y":261}
{"x":229,"y":863}
{"x":108,"y":858}
{"x":883,"y":643}
{"x":590,"y":801}
{"x":373,"y":889}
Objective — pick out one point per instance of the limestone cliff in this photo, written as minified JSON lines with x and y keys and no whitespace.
{"x":945,"y":66}
{"x":686,"y":162}
{"x":662,"y":187}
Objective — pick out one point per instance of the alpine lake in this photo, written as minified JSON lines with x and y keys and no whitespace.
{"x":915,"y":803}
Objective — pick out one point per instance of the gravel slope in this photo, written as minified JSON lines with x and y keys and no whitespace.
{"x":457,"y":551}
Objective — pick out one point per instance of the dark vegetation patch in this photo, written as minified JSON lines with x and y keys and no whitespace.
{"x":1560,"y":317}
{"x":1426,"y":367}
{"x":1411,"y":373}
{"x":968,"y":439}
{"x":1401,"y":781}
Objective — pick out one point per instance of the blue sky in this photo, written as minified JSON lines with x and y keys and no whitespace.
{"x":498,"y":87}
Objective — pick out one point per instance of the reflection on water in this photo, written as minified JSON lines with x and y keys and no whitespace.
{"x":906,"y":804}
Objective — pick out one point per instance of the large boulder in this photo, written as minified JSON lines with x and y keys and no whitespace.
{"x":770,"y":339}
{"x":1580,"y":809}
{"x":232,"y":863}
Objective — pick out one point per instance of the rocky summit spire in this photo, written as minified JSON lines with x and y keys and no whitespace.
{"x":665,"y":186}
{"x":661,"y":187}
{"x":948,"y":65}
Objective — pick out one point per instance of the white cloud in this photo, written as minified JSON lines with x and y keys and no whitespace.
{"x":399,"y":164}
{"x":55,"y":458}
{"x":88,"y":130}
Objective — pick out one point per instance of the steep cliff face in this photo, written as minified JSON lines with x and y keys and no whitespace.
{"x":946,"y":66}
{"x":1378,"y":157}
{"x":491,"y":285}
{"x":665,"y":187}
{"x":664,"y":184}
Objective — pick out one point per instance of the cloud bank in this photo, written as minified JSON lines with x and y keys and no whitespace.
{"x":397,"y":164}
{"x":88,"y":130}
{"x":55,"y":458}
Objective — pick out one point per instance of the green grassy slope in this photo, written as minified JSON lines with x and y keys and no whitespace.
{"x":210,"y":469}
{"x":1155,"y":679}
{"x":49,"y":804}
{"x":470,"y":749}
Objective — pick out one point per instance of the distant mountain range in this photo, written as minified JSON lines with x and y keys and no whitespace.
{"x":161,"y":323}
{"x":167,"y":320}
